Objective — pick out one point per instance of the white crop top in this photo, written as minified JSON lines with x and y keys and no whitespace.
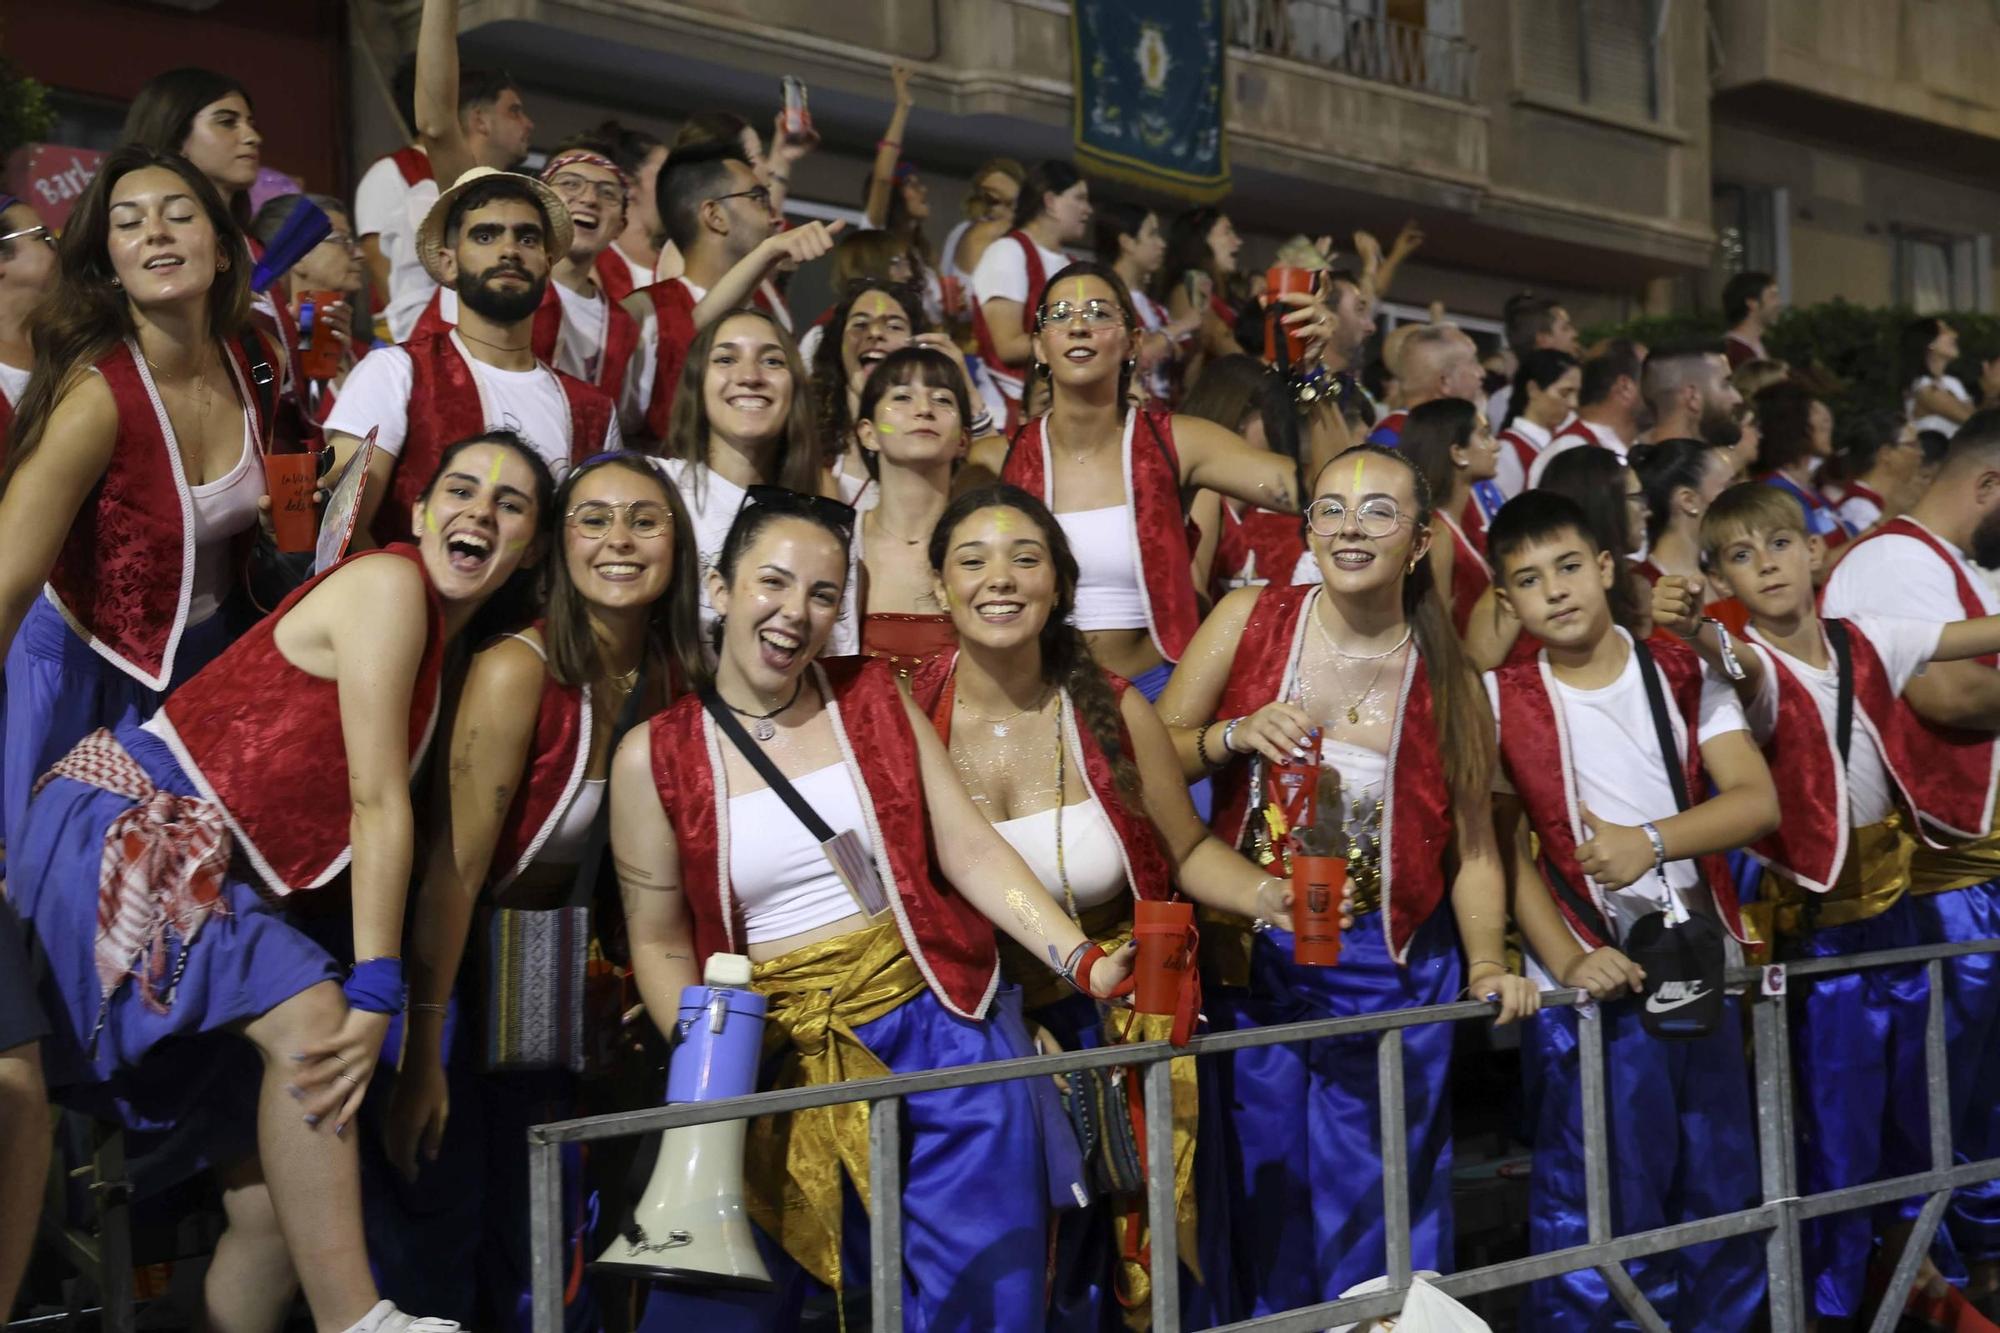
{"x":1090,"y":855}
{"x":567,"y":841}
{"x":783,"y":882}
{"x":1107,"y":559}
{"x":223,"y":508}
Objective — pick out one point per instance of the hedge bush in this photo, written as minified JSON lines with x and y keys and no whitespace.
{"x":1853,"y":346}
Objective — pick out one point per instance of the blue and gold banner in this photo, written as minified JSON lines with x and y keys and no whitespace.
{"x":1149,"y":94}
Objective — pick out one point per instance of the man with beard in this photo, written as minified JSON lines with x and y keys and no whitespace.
{"x":1691,"y":396}
{"x":489,"y":238}
{"x":1931,"y":564}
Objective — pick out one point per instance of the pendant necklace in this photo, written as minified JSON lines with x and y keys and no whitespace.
{"x":1381,"y":659}
{"x":766,"y":728}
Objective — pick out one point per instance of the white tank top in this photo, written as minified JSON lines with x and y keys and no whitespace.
{"x":1105,"y":544}
{"x":223,"y":508}
{"x":782,"y":880}
{"x":567,"y":841}
{"x":1090,"y":855}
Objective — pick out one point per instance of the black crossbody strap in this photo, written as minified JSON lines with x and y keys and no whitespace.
{"x":592,"y":864}
{"x":767,"y":770}
{"x":1843,"y":656}
{"x":1656,"y":698}
{"x":262,"y":382}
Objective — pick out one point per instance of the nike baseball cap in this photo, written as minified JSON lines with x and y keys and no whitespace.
{"x":1682,"y":1000}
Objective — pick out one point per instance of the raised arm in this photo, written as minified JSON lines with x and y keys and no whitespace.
{"x":45,"y":492}
{"x":648,"y":858}
{"x":1216,"y":457}
{"x":734,"y":288}
{"x":882,"y":183}
{"x":491,"y":734}
{"x":1677,"y":606}
{"x":438,"y":128}
{"x":986,"y":869}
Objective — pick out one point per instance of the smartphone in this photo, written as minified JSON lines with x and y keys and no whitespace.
{"x":798,"y":115}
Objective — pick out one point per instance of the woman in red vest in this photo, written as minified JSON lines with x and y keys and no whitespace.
{"x":1447,"y":441}
{"x":135,"y":476}
{"x":1361,"y":669}
{"x":871,"y":963}
{"x":186,"y":1003}
{"x":1074,"y":769}
{"x":522,"y":828}
{"x":1115,"y":476}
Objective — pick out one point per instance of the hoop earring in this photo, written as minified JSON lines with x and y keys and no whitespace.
{"x":1131,"y":365}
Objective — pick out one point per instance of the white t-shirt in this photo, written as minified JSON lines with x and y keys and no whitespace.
{"x":1950,"y":384}
{"x":1621,"y":776}
{"x":1904,"y":646}
{"x":1496,"y":406}
{"x":390,"y":209}
{"x":712,"y":502}
{"x":1604,"y":435}
{"x":580,"y":347}
{"x":641,"y":275}
{"x":1002,"y":275}
{"x":1511,"y":475}
{"x":1894,"y":575}
{"x":1858,"y":511}
{"x":531,"y":402}
{"x":14,"y":382}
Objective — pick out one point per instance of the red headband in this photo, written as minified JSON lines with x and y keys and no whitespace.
{"x":589,"y":159}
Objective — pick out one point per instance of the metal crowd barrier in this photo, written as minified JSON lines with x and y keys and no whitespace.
{"x":1779,"y":1215}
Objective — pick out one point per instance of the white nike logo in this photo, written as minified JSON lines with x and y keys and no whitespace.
{"x":1674,"y":995}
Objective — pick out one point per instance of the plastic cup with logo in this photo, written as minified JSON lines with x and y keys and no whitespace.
{"x":1165,"y":935}
{"x":319,"y":356}
{"x":290,"y":479}
{"x":1278,"y":280}
{"x":1318,"y":885}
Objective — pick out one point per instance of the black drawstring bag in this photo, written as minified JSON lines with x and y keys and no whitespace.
{"x":1682,"y":1000}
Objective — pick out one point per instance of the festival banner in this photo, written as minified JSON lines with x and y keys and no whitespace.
{"x":1149,"y":101}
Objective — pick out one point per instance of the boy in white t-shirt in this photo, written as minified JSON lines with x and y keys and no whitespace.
{"x":1821,"y":699}
{"x":1622,"y":836}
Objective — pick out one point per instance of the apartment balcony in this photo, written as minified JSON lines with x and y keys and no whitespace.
{"x":1911,"y":78}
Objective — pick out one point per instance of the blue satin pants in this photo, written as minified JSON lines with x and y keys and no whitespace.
{"x":1305,"y":1129}
{"x":1972,"y":1040}
{"x":1682,"y":1147}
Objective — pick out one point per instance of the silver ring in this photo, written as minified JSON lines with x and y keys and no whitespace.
{"x":348,"y":1078}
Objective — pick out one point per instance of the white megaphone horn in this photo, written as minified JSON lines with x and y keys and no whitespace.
{"x":690,"y":1227}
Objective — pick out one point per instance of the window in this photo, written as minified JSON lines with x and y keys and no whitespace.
{"x":1601,"y":54}
{"x":1751,"y":233}
{"x":1938,"y":272}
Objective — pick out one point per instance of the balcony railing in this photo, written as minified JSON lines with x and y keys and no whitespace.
{"x":1346,"y":35}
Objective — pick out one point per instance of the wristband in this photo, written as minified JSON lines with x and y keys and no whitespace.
{"x":375,"y":986}
{"x":888,"y":143}
{"x":1229,"y":735}
{"x":1730,"y":666}
{"x":1081,"y":959}
{"x":981,"y":425}
{"x":1659,"y":844}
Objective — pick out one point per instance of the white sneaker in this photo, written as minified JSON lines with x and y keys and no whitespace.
{"x":386,"y":1318}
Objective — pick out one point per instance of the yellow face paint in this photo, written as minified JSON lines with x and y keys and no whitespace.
{"x":430,"y":519}
{"x":1003,"y":521}
{"x":884,"y":428}
{"x":516,"y":546}
{"x":1355,"y":489}
{"x":493,"y":473}
{"x":1078,"y":290}
{"x":881,"y":304}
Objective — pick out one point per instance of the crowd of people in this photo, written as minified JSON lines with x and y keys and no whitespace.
{"x":1060,"y":572}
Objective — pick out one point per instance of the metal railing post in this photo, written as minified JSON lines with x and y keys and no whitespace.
{"x":885,"y":1214}
{"x":1771,"y":1047}
{"x":1163,"y":1212}
{"x":545,"y":1240}
{"x":1597,"y":1166}
{"x":1395,"y":1156}
{"x":1937,"y":1068}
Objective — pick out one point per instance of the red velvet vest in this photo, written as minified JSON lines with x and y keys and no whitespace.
{"x":1416,"y":814}
{"x":951,"y":942}
{"x":1810,"y":844}
{"x":1534,"y":748}
{"x":614,"y":275}
{"x":1160,"y":538}
{"x":1950,"y":771}
{"x":621,"y":336}
{"x":1471,"y":576}
{"x":125,"y":573}
{"x":1272,"y":539}
{"x":445,"y":407}
{"x":1146,"y":869}
{"x":263,"y":740}
{"x":558,"y":758}
{"x":982,"y":333}
{"x":414,"y":164}
{"x":673,"y":312}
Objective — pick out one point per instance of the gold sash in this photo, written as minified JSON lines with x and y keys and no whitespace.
{"x":1959,"y":866}
{"x":792,"y":1163}
{"x":1110,"y":925}
{"x":1875,"y":874}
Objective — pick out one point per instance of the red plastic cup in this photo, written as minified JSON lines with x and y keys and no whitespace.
{"x":319,"y":359}
{"x":1279,"y":279}
{"x":290,"y":479}
{"x":1318,"y":884}
{"x":1164,"y":967}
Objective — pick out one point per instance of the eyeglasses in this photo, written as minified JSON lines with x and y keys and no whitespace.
{"x":1376,"y":517}
{"x":36,"y":233}
{"x":760,"y":194}
{"x":607,"y":193}
{"x":781,"y":500}
{"x":339,"y":239}
{"x":646,"y":520}
{"x":1096,"y":313}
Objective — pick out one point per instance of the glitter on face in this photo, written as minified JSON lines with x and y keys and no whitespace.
{"x":881,"y":304}
{"x":430,"y":519}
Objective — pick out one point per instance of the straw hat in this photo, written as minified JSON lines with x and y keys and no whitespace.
{"x":430,"y":234}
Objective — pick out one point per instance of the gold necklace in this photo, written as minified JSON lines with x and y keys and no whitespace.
{"x":204,"y":399}
{"x":886,"y":530}
{"x":1380,"y":659}
{"x":488,"y":342}
{"x":999,"y":724}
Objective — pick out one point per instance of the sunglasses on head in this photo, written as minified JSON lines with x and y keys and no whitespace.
{"x":782,"y":500}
